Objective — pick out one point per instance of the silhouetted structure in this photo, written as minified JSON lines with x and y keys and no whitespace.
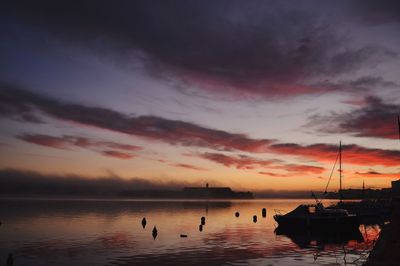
{"x":367,"y":209}
{"x":203,"y":220}
{"x":155,"y":232}
{"x":144,"y":222}
{"x":201,"y":228}
{"x":386,"y":249}
{"x":10,"y":260}
{"x":190,"y":193}
{"x":264,"y":212}
{"x":255,"y":218}
{"x":237,"y":214}
{"x":396,"y":190}
{"x":384,"y":193}
{"x":215,"y":192}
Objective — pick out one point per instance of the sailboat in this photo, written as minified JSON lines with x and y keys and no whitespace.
{"x":316,"y":216}
{"x":364,"y":209}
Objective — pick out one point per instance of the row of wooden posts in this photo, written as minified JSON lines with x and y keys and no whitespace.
{"x":202,"y":223}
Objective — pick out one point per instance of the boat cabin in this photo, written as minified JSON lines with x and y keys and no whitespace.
{"x":316,"y":210}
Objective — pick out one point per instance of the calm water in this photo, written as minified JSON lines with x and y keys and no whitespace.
{"x":94,"y":232}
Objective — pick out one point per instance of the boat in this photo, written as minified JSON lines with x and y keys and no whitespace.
{"x":366,"y":209}
{"x":315,"y":216}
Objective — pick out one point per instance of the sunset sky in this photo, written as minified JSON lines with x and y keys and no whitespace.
{"x":255,"y":95}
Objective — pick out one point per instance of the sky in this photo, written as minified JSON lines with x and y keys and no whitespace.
{"x":255,"y":95}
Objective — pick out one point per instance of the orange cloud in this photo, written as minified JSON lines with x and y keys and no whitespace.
{"x":351,"y":154}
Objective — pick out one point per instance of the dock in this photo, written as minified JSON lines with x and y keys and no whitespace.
{"x":386,"y":250}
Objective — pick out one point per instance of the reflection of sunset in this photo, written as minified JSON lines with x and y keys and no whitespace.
{"x":115,"y":240}
{"x":107,"y":229}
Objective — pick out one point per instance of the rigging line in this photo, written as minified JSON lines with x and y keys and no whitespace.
{"x":330,"y":177}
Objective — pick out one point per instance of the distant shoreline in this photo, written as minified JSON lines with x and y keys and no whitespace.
{"x":350,"y":194}
{"x":119,"y":198}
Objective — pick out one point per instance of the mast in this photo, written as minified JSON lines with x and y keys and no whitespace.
{"x":363,"y":191}
{"x":398,"y":124}
{"x":340,"y":171}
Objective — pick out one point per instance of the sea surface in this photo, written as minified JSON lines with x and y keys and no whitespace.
{"x":109,"y":232}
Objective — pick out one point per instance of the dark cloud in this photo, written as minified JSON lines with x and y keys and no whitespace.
{"x":373,"y":12}
{"x":363,"y":84}
{"x":29,"y":183}
{"x":376,"y":174}
{"x":189,"y":166}
{"x":263,"y":48}
{"x":117,"y":154}
{"x":274,"y":174}
{"x":373,"y":118}
{"x":240,"y":162}
{"x":46,"y":140}
{"x":349,"y":60}
{"x":19,"y":102}
{"x":69,"y":142}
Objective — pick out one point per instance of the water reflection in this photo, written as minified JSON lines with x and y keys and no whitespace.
{"x":93,"y":232}
{"x":320,"y":238}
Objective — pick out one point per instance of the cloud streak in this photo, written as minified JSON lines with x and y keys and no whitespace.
{"x":249,"y":163}
{"x":239,"y":162}
{"x":189,"y":166}
{"x":375,"y":174}
{"x":68,"y":142}
{"x":274,"y":174}
{"x":19,"y":103}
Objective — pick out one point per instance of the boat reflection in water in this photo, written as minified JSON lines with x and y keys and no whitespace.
{"x":311,"y":238}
